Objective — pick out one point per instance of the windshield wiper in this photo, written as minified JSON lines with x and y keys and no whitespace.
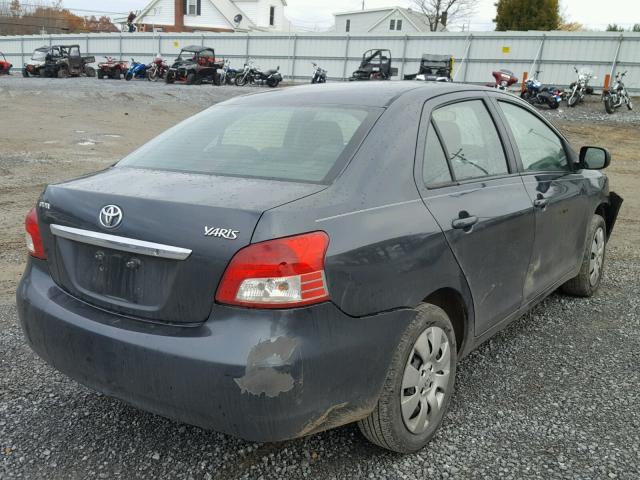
{"x":465,"y":160}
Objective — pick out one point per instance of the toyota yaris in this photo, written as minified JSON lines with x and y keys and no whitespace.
{"x":287,"y":262}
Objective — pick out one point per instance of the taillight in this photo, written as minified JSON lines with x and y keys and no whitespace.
{"x":280,"y":273}
{"x":34,"y":239}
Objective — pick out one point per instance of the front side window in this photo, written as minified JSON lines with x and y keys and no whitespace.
{"x":471,"y":140}
{"x":540,"y":148}
{"x":279,"y":142}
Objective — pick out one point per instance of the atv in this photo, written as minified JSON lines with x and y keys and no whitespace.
{"x":112,"y":68}
{"x":5,"y":66}
{"x":375,"y":65}
{"x":433,"y":68}
{"x":194,"y":65}
{"x":59,"y":61}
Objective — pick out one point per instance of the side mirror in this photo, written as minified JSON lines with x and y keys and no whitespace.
{"x":594,"y":158}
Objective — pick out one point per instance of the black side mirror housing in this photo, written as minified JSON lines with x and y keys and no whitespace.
{"x":594,"y":158}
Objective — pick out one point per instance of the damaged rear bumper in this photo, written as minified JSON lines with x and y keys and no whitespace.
{"x":259,"y":375}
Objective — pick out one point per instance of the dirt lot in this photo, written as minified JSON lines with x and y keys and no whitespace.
{"x":570,"y":414}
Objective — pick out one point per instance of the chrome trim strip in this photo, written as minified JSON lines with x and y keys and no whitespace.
{"x":120,"y":243}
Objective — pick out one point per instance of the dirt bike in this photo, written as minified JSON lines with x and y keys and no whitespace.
{"x":617,"y":95}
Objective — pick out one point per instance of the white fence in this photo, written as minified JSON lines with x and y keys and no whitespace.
{"x":476,"y":54}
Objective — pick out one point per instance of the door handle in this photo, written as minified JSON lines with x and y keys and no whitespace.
{"x":464,"y":223}
{"x":540,"y":202}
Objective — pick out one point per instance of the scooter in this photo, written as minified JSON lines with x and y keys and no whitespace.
{"x":136,"y":70}
{"x":617,"y":95}
{"x":537,"y":94}
{"x":319,"y":74}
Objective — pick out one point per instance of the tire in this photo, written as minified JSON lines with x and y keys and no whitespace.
{"x":574,"y":98}
{"x":629,"y":104}
{"x":25,"y":73}
{"x":191,"y":78}
{"x":216,"y":79}
{"x":170,"y":78}
{"x":273,"y":83}
{"x":117,"y":74}
{"x":608,"y":104}
{"x":241,"y":80}
{"x":63,"y":73}
{"x":585,"y":284}
{"x":387,"y":426}
{"x":90,"y":71}
{"x":153,"y":75}
{"x":128,"y":76}
{"x":100,"y":74}
{"x":553,"y":103}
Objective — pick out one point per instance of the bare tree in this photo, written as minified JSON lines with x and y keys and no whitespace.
{"x":441,"y":12}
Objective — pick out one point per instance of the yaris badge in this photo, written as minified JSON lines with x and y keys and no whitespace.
{"x":220,"y":232}
{"x":110,"y":216}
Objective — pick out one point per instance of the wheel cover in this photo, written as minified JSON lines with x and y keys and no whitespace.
{"x":597,"y":257}
{"x":425,"y":379}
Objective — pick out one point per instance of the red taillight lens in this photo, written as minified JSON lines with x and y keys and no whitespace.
{"x":34,"y":239}
{"x":280,"y":273}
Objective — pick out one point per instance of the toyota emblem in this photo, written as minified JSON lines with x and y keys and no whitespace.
{"x":110,"y":216}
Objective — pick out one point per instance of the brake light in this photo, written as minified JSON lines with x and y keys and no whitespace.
{"x":280,"y":273}
{"x":34,"y":239}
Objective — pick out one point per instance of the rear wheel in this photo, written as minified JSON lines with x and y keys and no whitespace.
{"x":25,"y":73}
{"x":90,"y":71}
{"x":586,"y":283}
{"x":100,"y":74}
{"x":171,"y":77}
{"x":63,"y":72}
{"x":191,"y":78}
{"x":418,"y":387}
{"x":272,"y":82}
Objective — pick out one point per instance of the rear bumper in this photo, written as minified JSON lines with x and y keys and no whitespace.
{"x":259,"y":375}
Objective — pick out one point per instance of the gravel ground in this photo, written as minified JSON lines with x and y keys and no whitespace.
{"x":555,"y":395}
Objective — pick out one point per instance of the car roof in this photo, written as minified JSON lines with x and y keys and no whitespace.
{"x":367,"y":93}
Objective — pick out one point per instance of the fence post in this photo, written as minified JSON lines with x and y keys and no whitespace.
{"x":404,"y":54}
{"x":463,"y":60}
{"x":202,"y":39}
{"x":86,"y":44}
{"x":615,"y":58}
{"x":120,"y":45}
{"x":538,"y":60}
{"x":21,"y":52}
{"x":293,"y":57}
{"x":467,"y":56}
{"x":246,"y":49}
{"x":159,"y":44}
{"x":346,"y":58}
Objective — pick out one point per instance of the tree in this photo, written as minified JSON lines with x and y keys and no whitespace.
{"x":571,"y":27}
{"x":636,"y":27}
{"x":527,"y":15}
{"x":441,"y":12}
{"x":613,"y":27}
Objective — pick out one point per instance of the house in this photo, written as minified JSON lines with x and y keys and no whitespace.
{"x":382,"y":20}
{"x":213,"y":16}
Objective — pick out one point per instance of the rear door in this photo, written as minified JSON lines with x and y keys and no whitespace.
{"x":555,"y":190}
{"x":470,"y":184}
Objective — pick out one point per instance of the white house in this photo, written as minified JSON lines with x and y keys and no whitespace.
{"x":213,"y":15}
{"x":382,"y":20}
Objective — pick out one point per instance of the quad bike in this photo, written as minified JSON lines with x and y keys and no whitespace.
{"x":433,"y":68}
{"x":503,"y":79}
{"x":194,"y":65}
{"x":5,"y":66}
{"x":617,"y":95}
{"x":112,"y":68}
{"x":375,"y":65}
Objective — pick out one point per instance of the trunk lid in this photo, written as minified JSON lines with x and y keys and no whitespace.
{"x":142,"y":267}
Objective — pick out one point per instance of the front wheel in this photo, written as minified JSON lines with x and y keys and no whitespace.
{"x":574,"y":98}
{"x":629,"y":104}
{"x":609,"y":104}
{"x":586,"y":283}
{"x":63,"y":73}
{"x":170,"y":77}
{"x":241,"y":80}
{"x":191,"y":78}
{"x":419,"y":384}
{"x":128,"y":76}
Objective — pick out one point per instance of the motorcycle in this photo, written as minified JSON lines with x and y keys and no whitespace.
{"x":537,"y":94}
{"x":503,"y":79}
{"x":319,"y":74}
{"x":617,"y":95}
{"x":136,"y":70}
{"x":580,"y":87}
{"x":157,"y":69}
{"x":228,"y":74}
{"x":253,"y":75}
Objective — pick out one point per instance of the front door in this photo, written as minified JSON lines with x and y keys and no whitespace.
{"x":471,"y":187}
{"x":555,"y":191}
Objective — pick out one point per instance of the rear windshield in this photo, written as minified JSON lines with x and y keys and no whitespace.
{"x":308,"y":144}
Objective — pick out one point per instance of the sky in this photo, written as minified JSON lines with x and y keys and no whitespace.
{"x":317,"y":14}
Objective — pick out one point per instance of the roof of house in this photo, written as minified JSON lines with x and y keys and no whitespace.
{"x":418,"y":19}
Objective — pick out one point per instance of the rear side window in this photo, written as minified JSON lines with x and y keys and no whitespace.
{"x":471,"y":140}
{"x":540,"y":148}
{"x":435,"y":170}
{"x":277,"y":142}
